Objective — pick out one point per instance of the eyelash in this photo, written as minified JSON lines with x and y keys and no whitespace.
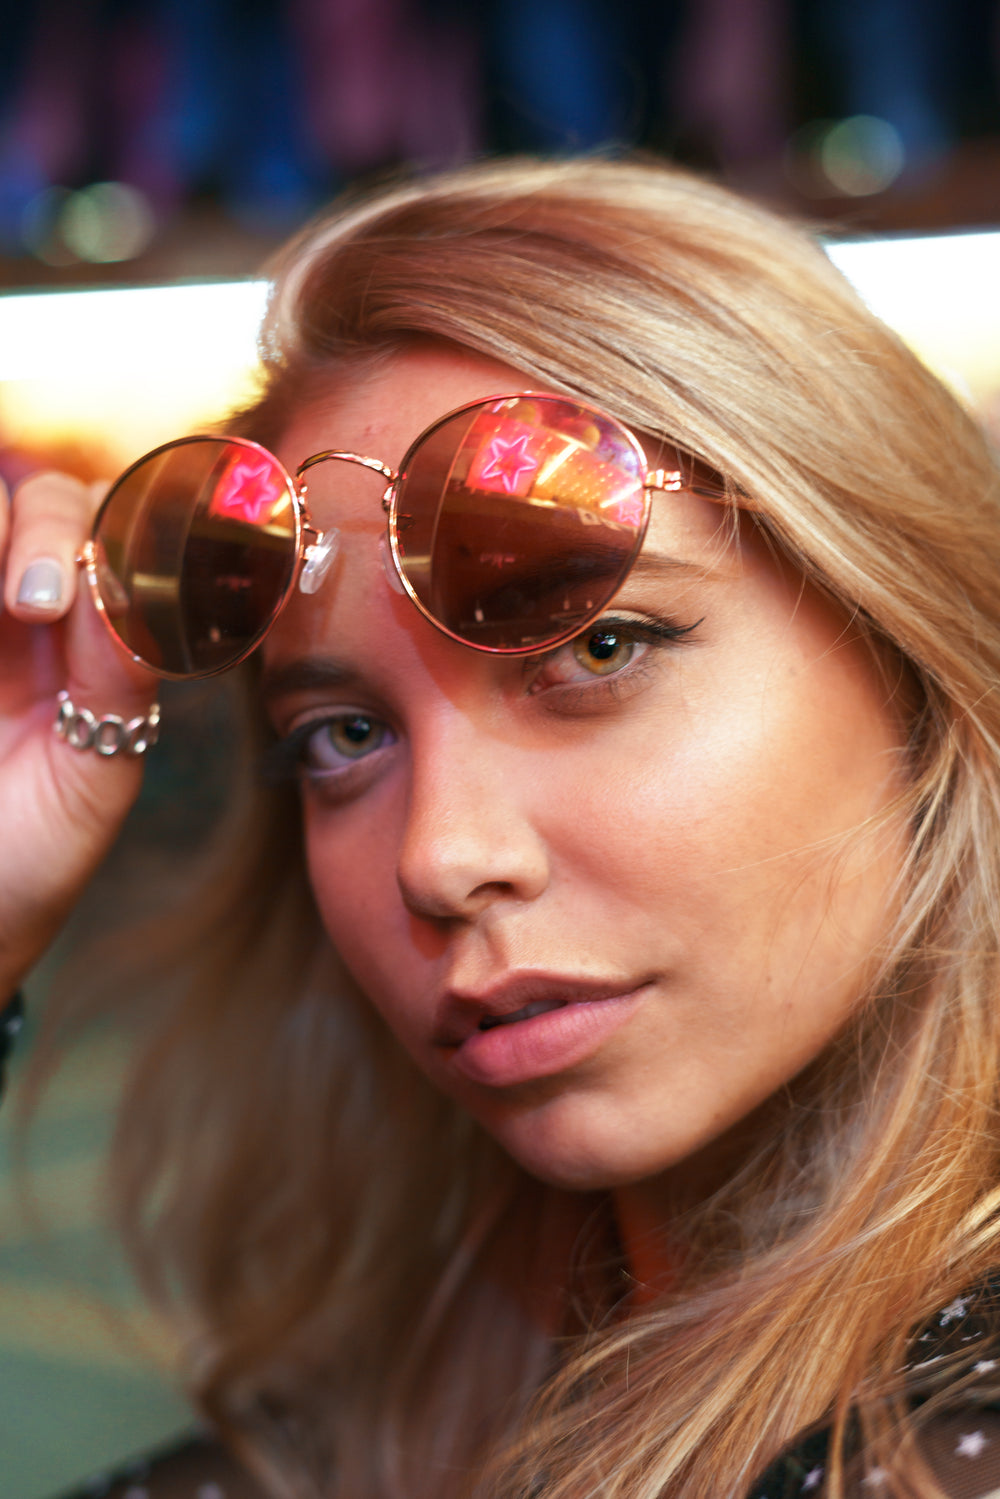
{"x":286,"y":759}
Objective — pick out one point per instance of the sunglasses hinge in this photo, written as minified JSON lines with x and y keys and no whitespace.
{"x":664,"y":478}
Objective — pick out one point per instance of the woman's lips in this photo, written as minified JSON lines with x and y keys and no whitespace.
{"x":506,"y":1047}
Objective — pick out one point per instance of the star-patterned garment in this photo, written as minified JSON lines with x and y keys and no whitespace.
{"x":961,"y":1444}
{"x":963,"y":1452}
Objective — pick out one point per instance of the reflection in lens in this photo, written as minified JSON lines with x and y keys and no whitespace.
{"x":196,"y":547}
{"x":517,"y":519}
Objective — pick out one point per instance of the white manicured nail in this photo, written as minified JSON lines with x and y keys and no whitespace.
{"x":41,"y":585}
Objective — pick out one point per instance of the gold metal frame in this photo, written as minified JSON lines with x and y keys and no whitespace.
{"x":315,"y":549}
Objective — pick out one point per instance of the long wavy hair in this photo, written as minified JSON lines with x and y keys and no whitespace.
{"x":376,"y":1301}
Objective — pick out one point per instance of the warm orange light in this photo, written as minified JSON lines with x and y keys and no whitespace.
{"x":115,"y":373}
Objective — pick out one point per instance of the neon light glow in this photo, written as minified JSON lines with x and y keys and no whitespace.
{"x":550,"y":468}
{"x":249,"y":491}
{"x":507,"y":459}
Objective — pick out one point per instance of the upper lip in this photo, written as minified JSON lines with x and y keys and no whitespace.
{"x":460,"y":1011}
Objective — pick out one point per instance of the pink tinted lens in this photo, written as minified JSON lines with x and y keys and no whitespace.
{"x":196,"y":546}
{"x":517,"y":520}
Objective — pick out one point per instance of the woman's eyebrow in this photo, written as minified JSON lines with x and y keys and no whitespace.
{"x":661,"y":564}
{"x":306,"y":674}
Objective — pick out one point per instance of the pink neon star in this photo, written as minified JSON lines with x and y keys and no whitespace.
{"x":248,"y":491}
{"x":628,"y":511}
{"x":508,"y":459}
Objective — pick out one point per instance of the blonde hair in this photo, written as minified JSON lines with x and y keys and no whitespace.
{"x":348,"y":1251}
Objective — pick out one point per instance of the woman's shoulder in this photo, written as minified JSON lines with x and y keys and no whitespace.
{"x":195,"y":1466}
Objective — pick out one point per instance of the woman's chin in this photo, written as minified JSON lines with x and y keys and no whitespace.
{"x":584,"y":1163}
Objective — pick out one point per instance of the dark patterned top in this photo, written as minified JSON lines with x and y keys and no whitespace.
{"x":961,"y":1444}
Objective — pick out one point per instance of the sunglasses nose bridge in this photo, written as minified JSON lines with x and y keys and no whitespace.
{"x":320,"y":551}
{"x":331,"y":455}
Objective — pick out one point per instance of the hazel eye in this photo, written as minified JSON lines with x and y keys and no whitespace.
{"x":325,"y":750}
{"x":604,"y":651}
{"x":352,"y":736}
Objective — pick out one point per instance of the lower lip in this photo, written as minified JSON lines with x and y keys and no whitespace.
{"x":545,"y":1044}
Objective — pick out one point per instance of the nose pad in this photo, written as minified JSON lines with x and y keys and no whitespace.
{"x":389,"y":567}
{"x":318,"y":558}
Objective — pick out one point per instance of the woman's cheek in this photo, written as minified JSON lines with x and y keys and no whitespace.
{"x":352,"y":870}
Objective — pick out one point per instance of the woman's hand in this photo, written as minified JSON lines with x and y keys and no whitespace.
{"x":60,"y":808}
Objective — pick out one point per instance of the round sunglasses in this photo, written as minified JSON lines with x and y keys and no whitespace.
{"x":511,"y":523}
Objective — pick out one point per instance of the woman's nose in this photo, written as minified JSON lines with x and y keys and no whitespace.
{"x":470,"y":839}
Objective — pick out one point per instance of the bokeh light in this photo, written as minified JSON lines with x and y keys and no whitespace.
{"x":861,"y":155}
{"x":107,"y":222}
{"x":104,"y":223}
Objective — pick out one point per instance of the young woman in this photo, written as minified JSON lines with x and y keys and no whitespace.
{"x":587,"y":1079}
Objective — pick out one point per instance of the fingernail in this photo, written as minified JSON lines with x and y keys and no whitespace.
{"x":41,"y":585}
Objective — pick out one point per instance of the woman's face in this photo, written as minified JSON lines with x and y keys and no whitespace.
{"x":609,"y":898}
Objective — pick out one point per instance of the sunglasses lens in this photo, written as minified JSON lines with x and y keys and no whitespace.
{"x":196,"y":546}
{"x":516,"y":520}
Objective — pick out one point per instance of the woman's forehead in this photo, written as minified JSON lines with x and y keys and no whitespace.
{"x":387,"y":405}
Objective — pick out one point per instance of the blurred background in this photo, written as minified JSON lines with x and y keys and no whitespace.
{"x":153,"y":153}
{"x":158,"y":142}
{"x":164,"y":138}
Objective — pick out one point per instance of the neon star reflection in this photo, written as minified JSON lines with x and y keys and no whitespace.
{"x":249,"y":491}
{"x":628,"y":511}
{"x":507,"y":459}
